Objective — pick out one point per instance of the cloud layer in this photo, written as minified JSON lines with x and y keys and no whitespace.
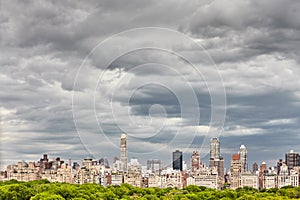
{"x":254,"y":44}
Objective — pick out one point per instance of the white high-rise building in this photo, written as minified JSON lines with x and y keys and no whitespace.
{"x":214,"y":148}
{"x":123,"y":151}
{"x":244,"y":157}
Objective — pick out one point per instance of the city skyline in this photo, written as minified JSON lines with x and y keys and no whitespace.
{"x":291,"y":158}
{"x":178,"y":175}
{"x":185,"y":156}
{"x":74,"y":75}
{"x":177,"y":160}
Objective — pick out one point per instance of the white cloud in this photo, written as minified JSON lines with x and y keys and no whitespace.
{"x":241,"y":131}
{"x":281,"y":121}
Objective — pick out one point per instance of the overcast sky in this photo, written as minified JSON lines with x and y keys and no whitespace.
{"x":74,"y":75}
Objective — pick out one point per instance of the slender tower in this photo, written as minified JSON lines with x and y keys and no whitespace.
{"x":123,"y":151}
{"x":214,"y":148}
{"x":216,"y":160}
{"x":244,"y":158}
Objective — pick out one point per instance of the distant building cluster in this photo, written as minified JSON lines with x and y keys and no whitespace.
{"x":154,"y":174}
{"x":283,"y":174}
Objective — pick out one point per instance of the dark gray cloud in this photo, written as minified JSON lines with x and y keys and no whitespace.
{"x":255,"y":45}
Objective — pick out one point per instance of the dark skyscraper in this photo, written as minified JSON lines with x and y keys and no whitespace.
{"x":292,"y":159}
{"x":177,"y":160}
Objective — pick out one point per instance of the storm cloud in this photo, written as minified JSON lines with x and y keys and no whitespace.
{"x":58,"y":97}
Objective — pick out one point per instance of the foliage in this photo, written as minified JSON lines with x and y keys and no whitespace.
{"x":43,"y":189}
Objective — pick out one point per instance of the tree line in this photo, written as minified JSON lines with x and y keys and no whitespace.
{"x":43,"y":189}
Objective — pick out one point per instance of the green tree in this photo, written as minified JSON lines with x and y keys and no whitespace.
{"x":246,"y":197}
{"x":47,"y":196}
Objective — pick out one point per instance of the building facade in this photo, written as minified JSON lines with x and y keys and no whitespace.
{"x":214,"y":148}
{"x":292,"y":159}
{"x":177,"y":160}
{"x":216,"y":161}
{"x":195,"y":161}
{"x":235,"y":171}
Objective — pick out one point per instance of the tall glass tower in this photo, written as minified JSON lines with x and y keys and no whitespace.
{"x":123,"y":151}
{"x":177,"y":160}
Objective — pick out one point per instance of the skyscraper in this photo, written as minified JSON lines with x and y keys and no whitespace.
{"x":195,"y":161}
{"x":291,"y":159}
{"x":244,"y":158}
{"x":214,"y":148}
{"x":123,"y":151}
{"x":177,"y":160}
{"x":216,"y":160}
{"x":235,"y":171}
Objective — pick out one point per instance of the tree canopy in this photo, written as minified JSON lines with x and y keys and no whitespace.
{"x":43,"y":189}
